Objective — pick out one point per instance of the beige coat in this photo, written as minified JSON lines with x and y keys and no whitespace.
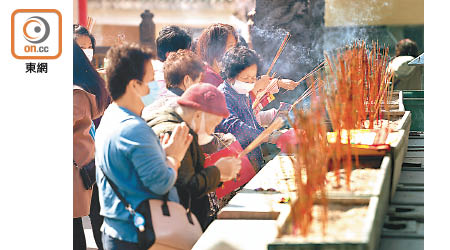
{"x":84,"y":111}
{"x":406,"y":77}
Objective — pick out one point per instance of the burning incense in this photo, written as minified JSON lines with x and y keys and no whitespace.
{"x":309,"y":90}
{"x":318,"y":67}
{"x":90,"y":24}
{"x":356,"y":85}
{"x":311,"y":164}
{"x":259,"y":97}
{"x":280,"y":50}
{"x":272,"y":85}
{"x":307,"y":93}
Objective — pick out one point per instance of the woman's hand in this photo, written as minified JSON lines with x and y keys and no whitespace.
{"x":177,"y":144}
{"x":261,"y":84}
{"x":273,"y":137}
{"x":287,"y":84}
{"x":229,"y":167}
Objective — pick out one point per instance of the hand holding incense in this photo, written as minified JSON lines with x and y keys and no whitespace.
{"x":263,"y":136}
{"x":267,"y":91}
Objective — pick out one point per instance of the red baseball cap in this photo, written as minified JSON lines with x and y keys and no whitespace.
{"x":205,"y":97}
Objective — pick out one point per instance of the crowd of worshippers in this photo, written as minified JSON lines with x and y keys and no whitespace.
{"x":149,"y":126}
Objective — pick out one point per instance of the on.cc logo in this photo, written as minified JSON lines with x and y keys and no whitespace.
{"x":39,"y":26}
{"x":36,"y":34}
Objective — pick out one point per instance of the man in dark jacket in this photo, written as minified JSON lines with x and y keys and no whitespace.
{"x":202,"y":107}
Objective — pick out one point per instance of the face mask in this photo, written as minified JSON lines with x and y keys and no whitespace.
{"x":153,"y":95}
{"x":203,"y":137}
{"x":243,"y":88}
{"x":89,"y":54}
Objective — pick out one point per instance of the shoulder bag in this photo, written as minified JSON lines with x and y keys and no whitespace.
{"x":162,"y":224}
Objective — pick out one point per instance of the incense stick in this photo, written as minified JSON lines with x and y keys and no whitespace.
{"x":90,"y":24}
{"x":268,"y":89}
{"x":312,"y":72}
{"x":280,"y":50}
{"x":307,"y":93}
{"x":261,"y":137}
{"x":310,"y":167}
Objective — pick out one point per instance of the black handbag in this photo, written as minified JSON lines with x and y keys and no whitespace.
{"x":87,"y":173}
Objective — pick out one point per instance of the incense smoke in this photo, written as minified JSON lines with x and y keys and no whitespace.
{"x":305,"y":20}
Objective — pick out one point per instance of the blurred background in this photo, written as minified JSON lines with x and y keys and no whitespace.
{"x":316,"y":26}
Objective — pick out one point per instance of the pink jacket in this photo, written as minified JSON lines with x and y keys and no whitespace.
{"x":209,"y":76}
{"x":84,"y":111}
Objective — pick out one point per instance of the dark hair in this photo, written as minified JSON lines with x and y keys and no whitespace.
{"x":212,"y":42}
{"x":170,"y":39}
{"x":194,"y":45}
{"x":179,"y":64}
{"x":86,"y":77}
{"x":236,"y":60}
{"x":79,"y":30}
{"x":125,"y":63}
{"x":406,"y":47}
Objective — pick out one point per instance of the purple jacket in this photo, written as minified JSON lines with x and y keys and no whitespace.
{"x":242,"y":122}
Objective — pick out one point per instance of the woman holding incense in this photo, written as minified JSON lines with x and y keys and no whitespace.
{"x":212,"y":45}
{"x":239,"y":69}
{"x":262,"y":94}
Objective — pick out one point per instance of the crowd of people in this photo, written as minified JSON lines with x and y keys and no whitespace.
{"x":148,"y":127}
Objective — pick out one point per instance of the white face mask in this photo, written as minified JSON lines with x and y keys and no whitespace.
{"x":243,"y":88}
{"x":89,"y":53}
{"x":203,"y":137}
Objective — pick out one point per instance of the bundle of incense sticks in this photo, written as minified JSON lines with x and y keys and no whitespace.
{"x":270,"y":87}
{"x":368,"y":79}
{"x":255,"y":143}
{"x":356,"y":84}
{"x":309,"y":90}
{"x":90,"y":24}
{"x":280,"y":50}
{"x":310,"y":164}
{"x":313,"y":87}
{"x":317,"y":68}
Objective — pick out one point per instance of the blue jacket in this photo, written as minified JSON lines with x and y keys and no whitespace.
{"x":130,"y":153}
{"x":241,"y":122}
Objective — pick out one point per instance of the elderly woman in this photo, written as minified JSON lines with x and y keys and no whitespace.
{"x":202,"y":107}
{"x":239,"y":69}
{"x":182,"y":69}
{"x":212,"y":44}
